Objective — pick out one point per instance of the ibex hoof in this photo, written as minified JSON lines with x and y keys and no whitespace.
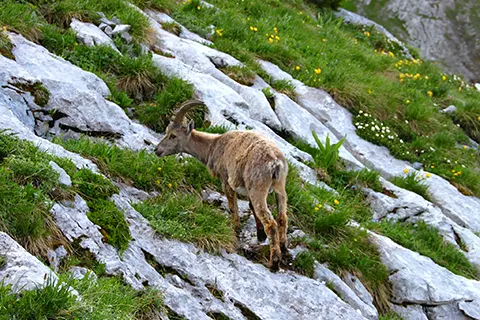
{"x":261,"y":235}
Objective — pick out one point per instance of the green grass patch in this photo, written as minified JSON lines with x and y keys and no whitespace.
{"x":105,"y":214}
{"x":40,"y":94}
{"x":285,"y":87}
{"x":27,"y":183}
{"x":92,"y":185}
{"x":324,"y":217}
{"x":240,"y":74}
{"x":172,"y":27}
{"x":6,"y":46}
{"x":414,"y":183}
{"x":427,"y":241}
{"x":185,"y":217}
{"x":142,"y":169}
{"x":105,"y":298}
{"x":304,"y":263}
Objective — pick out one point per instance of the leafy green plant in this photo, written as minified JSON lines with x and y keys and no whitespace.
{"x":240,"y":74}
{"x":326,"y":155}
{"x":105,"y":214}
{"x":412,"y":182}
{"x":172,"y":27}
{"x":93,"y":186}
{"x":285,"y":87}
{"x":304,"y":263}
{"x":185,"y":217}
{"x":6,"y":46}
{"x":333,"y":4}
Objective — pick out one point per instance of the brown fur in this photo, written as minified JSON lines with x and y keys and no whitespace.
{"x":243,"y":161}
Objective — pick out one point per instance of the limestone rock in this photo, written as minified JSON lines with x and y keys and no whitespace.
{"x":22,"y":270}
{"x":64,"y":178}
{"x":91,"y":35}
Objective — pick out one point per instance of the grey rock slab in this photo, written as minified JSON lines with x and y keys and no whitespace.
{"x":289,"y":296}
{"x":418,"y":280}
{"x":470,"y":308}
{"x":198,"y":57}
{"x":91,"y":35}
{"x":22,"y":270}
{"x":77,"y":95}
{"x":410,"y":312}
{"x":299,"y":123}
{"x":64,"y":178}
{"x":56,"y":256}
{"x":409,"y":206}
{"x":357,"y":286}
{"x":325,"y":275}
{"x":161,"y":17}
{"x":9,"y":122}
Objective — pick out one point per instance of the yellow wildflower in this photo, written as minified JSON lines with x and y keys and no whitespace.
{"x":356,"y":41}
{"x":367,"y":33}
{"x":478,"y":118}
{"x":391,"y":54}
{"x":158,"y":182}
{"x":297,"y":68}
{"x":76,"y":44}
{"x":169,"y":185}
{"x":159,"y":169}
{"x":270,"y":40}
{"x":465,"y":147}
{"x":428,"y":175}
{"x":407,"y":102}
{"x":324,"y":40}
{"x":432,"y":166}
{"x":426,"y":78}
{"x":430,"y":93}
{"x":277,"y":38}
{"x":4,"y":28}
{"x":460,"y":89}
{"x":275,"y":30}
{"x":370,"y":91}
{"x":301,"y":12}
{"x":316,"y":209}
{"x":405,"y":170}
{"x":453,"y":170}
{"x":318,"y":71}
{"x":219,"y":32}
{"x":198,"y":7}
{"x":336,"y":202}
{"x":401,"y":76}
{"x":444,"y":78}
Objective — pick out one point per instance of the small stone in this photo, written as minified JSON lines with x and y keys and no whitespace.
{"x":102,"y":26}
{"x":121,"y":28}
{"x":64,"y":178}
{"x":449,"y":109}
{"x":108,"y":31}
{"x":417,"y":166}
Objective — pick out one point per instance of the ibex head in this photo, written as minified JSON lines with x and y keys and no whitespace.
{"x":176,"y":134}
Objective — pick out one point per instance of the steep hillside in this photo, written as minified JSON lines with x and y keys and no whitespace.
{"x":382,"y":186}
{"x":444,"y":31}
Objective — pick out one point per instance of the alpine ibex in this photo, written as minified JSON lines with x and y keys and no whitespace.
{"x":246,"y":163}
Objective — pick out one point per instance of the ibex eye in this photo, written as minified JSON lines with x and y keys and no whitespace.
{"x":172,"y":137}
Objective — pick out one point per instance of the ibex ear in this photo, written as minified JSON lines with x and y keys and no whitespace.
{"x":190,"y":127}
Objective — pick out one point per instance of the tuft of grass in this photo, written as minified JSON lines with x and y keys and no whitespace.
{"x":156,"y":114}
{"x":142,"y":169}
{"x":51,"y":302}
{"x":362,"y":178}
{"x":92,"y":186}
{"x":185,"y":217}
{"x":427,"y":241}
{"x":6,"y":46}
{"x":412,"y":182}
{"x":325,"y":218}
{"x":105,"y":214}
{"x":240,"y":74}
{"x":26,"y":182}
{"x":285,"y":87}
{"x":21,"y":17}
{"x":40,"y":94}
{"x":172,"y":27}
{"x":304,"y":263}
{"x":105,"y":298}
{"x":215,"y":129}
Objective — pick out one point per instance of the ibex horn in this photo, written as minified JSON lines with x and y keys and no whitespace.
{"x":184,"y":108}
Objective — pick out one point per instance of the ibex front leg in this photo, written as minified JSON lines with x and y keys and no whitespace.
{"x":232,"y":206}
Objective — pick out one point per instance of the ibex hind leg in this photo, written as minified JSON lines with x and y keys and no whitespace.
{"x":282,"y":219}
{"x":258,"y":198}
{"x":261,"y":235}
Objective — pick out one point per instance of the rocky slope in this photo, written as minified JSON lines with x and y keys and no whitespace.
{"x":421,"y":288}
{"x":444,"y":31}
